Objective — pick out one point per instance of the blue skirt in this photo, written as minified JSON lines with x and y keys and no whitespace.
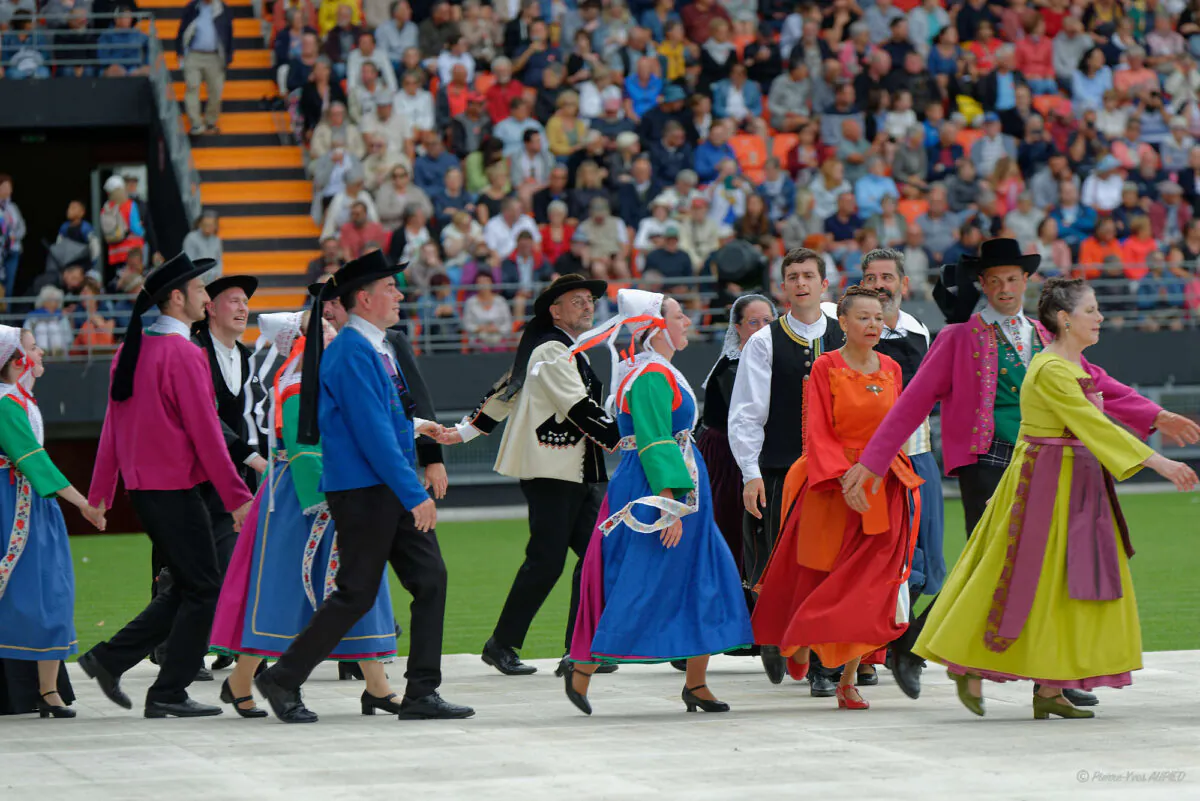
{"x":37,"y":607}
{"x":279,"y":576}
{"x":928,"y":561}
{"x":661,"y":603}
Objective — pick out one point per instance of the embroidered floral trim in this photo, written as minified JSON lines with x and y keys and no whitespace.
{"x":1016,"y":521}
{"x":672,"y":510}
{"x":19,"y":536}
{"x":315,"y":535}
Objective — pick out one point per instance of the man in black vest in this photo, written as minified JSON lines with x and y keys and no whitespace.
{"x":219,"y":336}
{"x":765,"y":432}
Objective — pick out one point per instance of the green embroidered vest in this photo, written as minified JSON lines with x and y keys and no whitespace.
{"x":1007,"y":410}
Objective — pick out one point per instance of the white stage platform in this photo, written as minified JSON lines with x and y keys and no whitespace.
{"x":527,"y":742}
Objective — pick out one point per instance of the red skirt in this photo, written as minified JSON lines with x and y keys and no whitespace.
{"x":848,"y":611}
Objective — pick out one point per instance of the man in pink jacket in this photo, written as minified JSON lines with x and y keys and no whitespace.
{"x":975,"y":369}
{"x":163,"y":438}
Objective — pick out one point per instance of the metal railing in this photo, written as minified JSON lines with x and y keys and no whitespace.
{"x":74,"y":52}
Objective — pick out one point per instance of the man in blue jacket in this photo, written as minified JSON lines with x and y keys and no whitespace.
{"x":205,"y":48}
{"x":383,"y":513}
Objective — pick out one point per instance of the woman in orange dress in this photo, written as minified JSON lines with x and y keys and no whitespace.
{"x":836,"y":583}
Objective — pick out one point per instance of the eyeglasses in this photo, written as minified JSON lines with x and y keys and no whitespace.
{"x":757,"y":322}
{"x":582,"y":302}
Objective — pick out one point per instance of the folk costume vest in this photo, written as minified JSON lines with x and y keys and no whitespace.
{"x":1011,"y":374}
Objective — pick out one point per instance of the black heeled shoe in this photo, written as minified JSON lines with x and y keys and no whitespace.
{"x":372,"y":702}
{"x":694,"y":702}
{"x":227,"y":698}
{"x":574,"y":696}
{"x":46,"y":710}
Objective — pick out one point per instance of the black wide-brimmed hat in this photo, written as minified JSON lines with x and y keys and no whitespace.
{"x":246,"y":283}
{"x":353,"y":275}
{"x":561,"y":286}
{"x":1001,"y":253}
{"x":956,"y":293}
{"x":158,"y":286}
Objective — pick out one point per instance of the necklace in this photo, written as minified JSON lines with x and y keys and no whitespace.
{"x":864,"y":367}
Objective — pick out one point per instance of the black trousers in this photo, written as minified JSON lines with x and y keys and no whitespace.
{"x":562,"y":516}
{"x":373,"y":529}
{"x":223,"y":535}
{"x":977,"y":483}
{"x":759,"y":536}
{"x":180,"y":614}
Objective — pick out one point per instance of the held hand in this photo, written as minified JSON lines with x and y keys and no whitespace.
{"x":425,"y":515}
{"x":431,"y":429}
{"x":1179,"y":429}
{"x":754,"y":497}
{"x":259,"y":464}
{"x":436,"y":479}
{"x":239,"y":515}
{"x":450,"y":437}
{"x":1178,"y":473}
{"x":855,"y":480}
{"x":94,"y":515}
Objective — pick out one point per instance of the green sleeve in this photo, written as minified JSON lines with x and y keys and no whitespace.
{"x":22,"y":448}
{"x":305,"y":461}
{"x":650,"y":400}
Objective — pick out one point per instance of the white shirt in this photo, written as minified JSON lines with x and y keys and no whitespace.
{"x":446,"y":61}
{"x":378,"y":339}
{"x":416,"y":110}
{"x":1023,"y":327}
{"x":922,"y":439}
{"x":165,"y":324}
{"x":751,"y":400}
{"x":502,"y":239}
{"x":230,"y":362}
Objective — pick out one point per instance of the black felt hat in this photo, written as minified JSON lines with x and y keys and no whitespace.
{"x":561,"y":286}
{"x":247,"y":283}
{"x":1001,"y":253}
{"x":353,"y":275}
{"x":158,"y":286}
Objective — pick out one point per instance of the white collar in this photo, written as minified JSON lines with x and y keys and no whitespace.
{"x":166,"y":324}
{"x":993,"y":317}
{"x":373,"y":333}
{"x":220,"y":348}
{"x":809,"y":331}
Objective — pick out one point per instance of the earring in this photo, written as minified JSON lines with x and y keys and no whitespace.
{"x":1068,"y":326}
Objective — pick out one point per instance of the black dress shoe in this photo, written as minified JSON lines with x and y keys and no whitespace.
{"x":820,"y":686}
{"x":432,"y":707}
{"x":578,"y":699}
{"x":110,"y":685}
{"x":186,"y":708}
{"x":1080,"y":697}
{"x":227,"y":697}
{"x":505,"y":659}
{"x":906,"y":670}
{"x":203,"y":674}
{"x":775,"y":665}
{"x":285,"y":703}
{"x":867,"y":679}
{"x":679,"y":664}
{"x":350,"y":671}
{"x":222,"y":662}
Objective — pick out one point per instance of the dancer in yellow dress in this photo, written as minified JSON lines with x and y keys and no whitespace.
{"x":1043,"y":589}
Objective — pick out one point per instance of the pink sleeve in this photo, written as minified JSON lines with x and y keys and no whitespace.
{"x":1122,"y":403}
{"x":931,"y":384}
{"x":192,"y":387}
{"x":104,"y":472}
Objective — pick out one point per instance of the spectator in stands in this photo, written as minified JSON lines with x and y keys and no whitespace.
{"x":1070,"y":46}
{"x":891,"y":229}
{"x":642,"y":88}
{"x":486,"y":317}
{"x":1075,"y":222}
{"x":1024,"y":220}
{"x":24,"y":50}
{"x":872,"y":187}
{"x":1137,"y":249}
{"x":1055,"y":253}
{"x":49,"y":322}
{"x":329,"y":262}
{"x":336,"y":127}
{"x":12,"y":234}
{"x":698,"y":233}
{"x":565,"y":130}
{"x":718,"y":53}
{"x":523,"y":271}
{"x":96,"y":330}
{"x":1035,"y":54}
{"x":841,"y":227}
{"x":436,"y":31}
{"x":451,"y":197}
{"x":790,"y":98}
{"x":1113,"y":291}
{"x":338,"y":213}
{"x":737,"y":98}
{"x":672,"y":263}
{"x":1098,"y":247}
{"x":1102,"y":189}
{"x":671,"y":154}
{"x":455,"y":54}
{"x":1160,"y":297}
{"x":500,"y":232}
{"x":451,"y":99}
{"x":829,"y":183}
{"x":801,"y":223}
{"x":713,"y":151}
{"x":290,"y":45}
{"x":1170,"y":216}
{"x":285,"y":12}
{"x":555,"y":190}
{"x":358,"y":231}
{"x":365,"y":95}
{"x":464,"y":233}
{"x":341,"y":39}
{"x":556,"y":232}
{"x":406,"y":242}
{"x":636,"y":192}
{"x":939,"y":225}
{"x":608,"y":241}
{"x":653,"y":123}
{"x":479,"y":27}
{"x":120,"y":224}
{"x":497,"y":189}
{"x":1090,"y":81}
{"x":650,"y":229}
{"x":77,"y":229}
{"x":300,"y":64}
{"x":123,"y":49}
{"x":1131,"y":206}
{"x":469,"y":129}
{"x":319,"y":94}
{"x":394,"y":197}
{"x":205,"y":47}
{"x":330,"y":15}
{"x":397,"y":34}
{"x":545,"y":98}
{"x":440,"y":323}
{"x":504,"y":91}
{"x":429,"y":169}
{"x":992,"y":146}
{"x":531,"y":166}
{"x":414,"y":105}
{"x":532,"y":59}
{"x":204,"y":242}
{"x":369,"y":53}
{"x":511,"y":131}
{"x":964,"y":187}
{"x":619,"y":162}
{"x":76,"y":43}
{"x":589,"y":186}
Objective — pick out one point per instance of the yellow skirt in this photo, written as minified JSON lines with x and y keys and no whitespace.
{"x":1065,"y":642}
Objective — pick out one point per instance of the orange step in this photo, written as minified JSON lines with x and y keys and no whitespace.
{"x":280,"y":262}
{"x":169,"y":28}
{"x":269,"y":227}
{"x":216,"y":193}
{"x":248,"y":122}
{"x":242,"y":59}
{"x":235,"y":90}
{"x":251,"y":335}
{"x":233,"y":158}
{"x":278,"y":301}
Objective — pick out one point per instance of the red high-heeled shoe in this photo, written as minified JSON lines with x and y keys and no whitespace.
{"x":850,"y":703}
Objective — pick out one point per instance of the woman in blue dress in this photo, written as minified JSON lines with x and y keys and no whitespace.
{"x":285,"y":561}
{"x":659,"y":582}
{"x":37,"y":583}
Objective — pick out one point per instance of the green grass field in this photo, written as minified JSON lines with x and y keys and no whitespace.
{"x":112,"y":576}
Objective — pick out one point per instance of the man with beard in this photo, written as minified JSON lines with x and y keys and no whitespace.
{"x":906,"y":340}
{"x":764,"y":431}
{"x":555,"y":441}
{"x":163,"y":437}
